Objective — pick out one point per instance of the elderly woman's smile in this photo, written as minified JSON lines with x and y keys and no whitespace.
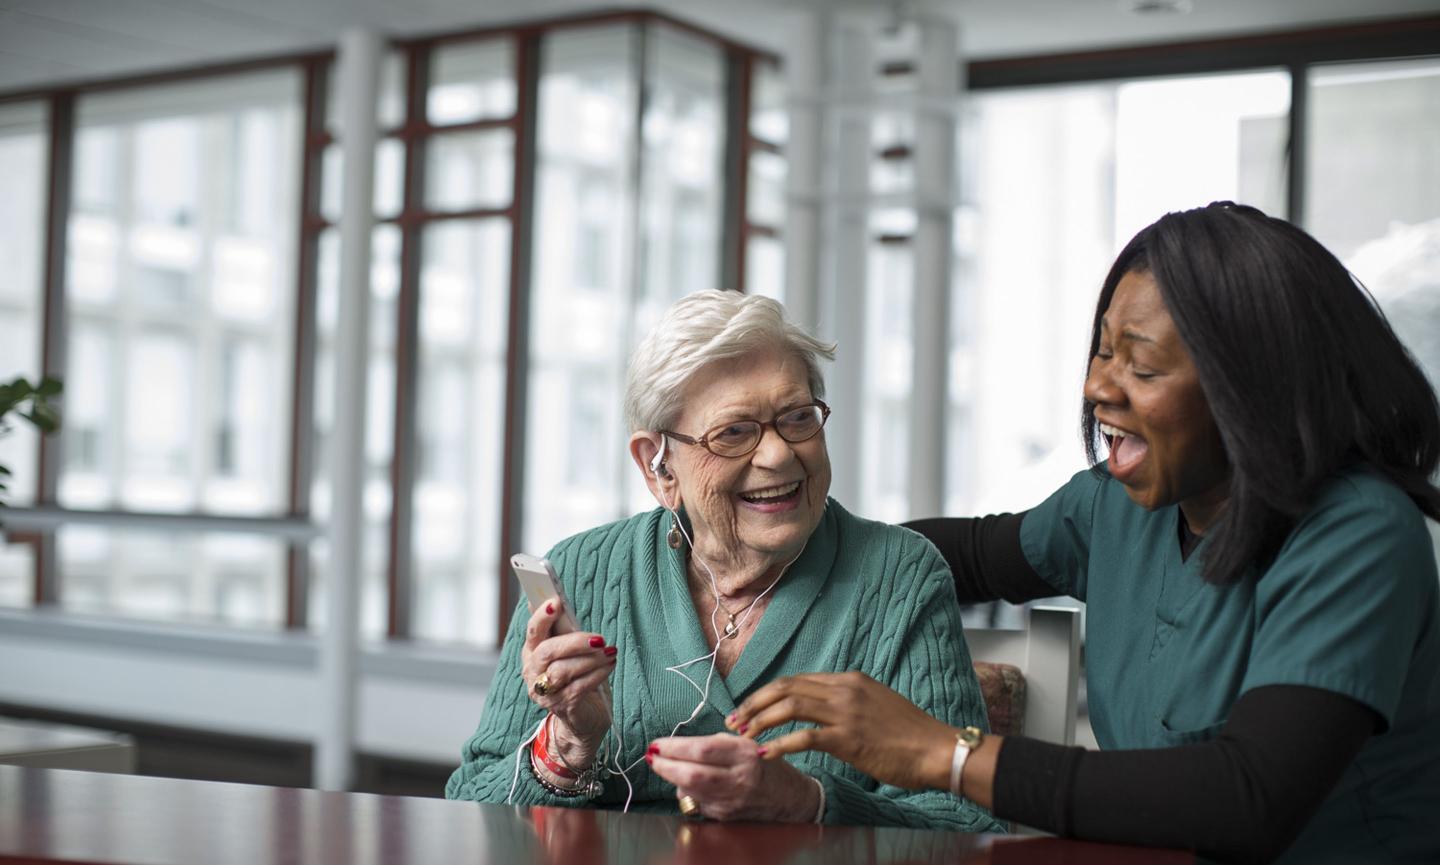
{"x":773,"y":498}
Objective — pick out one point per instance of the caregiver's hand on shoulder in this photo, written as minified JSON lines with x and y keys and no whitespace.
{"x":860,"y":721}
{"x":730,"y":779}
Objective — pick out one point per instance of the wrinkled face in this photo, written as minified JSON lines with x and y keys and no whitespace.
{"x":767,"y":502}
{"x":1164,"y":445}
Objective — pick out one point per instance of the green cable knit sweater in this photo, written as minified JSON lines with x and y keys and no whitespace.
{"x":862,"y":596}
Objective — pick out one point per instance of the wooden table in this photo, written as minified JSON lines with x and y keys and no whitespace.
{"x":54,"y":815}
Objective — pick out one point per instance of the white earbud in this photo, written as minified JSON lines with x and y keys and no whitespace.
{"x":657,"y":463}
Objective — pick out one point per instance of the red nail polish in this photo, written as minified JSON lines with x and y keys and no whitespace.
{"x":730,"y":719}
{"x":549,"y":609}
{"x":650,"y":759}
{"x":611,"y":650}
{"x":744,"y":727}
{"x":761,"y":752}
{"x":652,"y":751}
{"x":597,"y":642}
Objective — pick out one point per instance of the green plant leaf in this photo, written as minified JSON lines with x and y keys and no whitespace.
{"x":49,"y":387}
{"x":43,"y":417}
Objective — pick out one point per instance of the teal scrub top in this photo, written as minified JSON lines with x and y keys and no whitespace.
{"x":1349,"y":605}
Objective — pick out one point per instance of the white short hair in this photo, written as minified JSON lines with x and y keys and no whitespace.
{"x":704,"y":328}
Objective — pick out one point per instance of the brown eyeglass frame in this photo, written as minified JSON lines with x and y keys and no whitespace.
{"x":704,"y":440}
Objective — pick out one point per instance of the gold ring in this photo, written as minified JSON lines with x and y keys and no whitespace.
{"x":689,"y":806}
{"x":542,"y":685}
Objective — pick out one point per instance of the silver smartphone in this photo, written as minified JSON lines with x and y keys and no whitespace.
{"x":542,"y":585}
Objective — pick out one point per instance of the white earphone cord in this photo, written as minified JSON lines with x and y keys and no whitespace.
{"x":613,"y":757}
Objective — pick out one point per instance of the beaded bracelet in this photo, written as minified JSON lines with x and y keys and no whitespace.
{"x":555,"y":790}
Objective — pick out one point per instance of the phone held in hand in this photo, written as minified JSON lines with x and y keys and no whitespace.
{"x":541,"y":585}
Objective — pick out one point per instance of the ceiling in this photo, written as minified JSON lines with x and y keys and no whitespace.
{"x":45,"y":42}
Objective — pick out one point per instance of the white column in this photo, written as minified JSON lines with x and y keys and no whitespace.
{"x":938,"y":80}
{"x":805,"y":158}
{"x":358,"y":68}
{"x":847,"y":186}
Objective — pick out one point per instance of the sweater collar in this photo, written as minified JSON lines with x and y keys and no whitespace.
{"x":791,"y":599}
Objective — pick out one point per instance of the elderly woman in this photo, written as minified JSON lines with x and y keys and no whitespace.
{"x":746,"y":572}
{"x":1263,"y":638}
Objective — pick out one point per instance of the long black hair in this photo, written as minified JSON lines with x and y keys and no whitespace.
{"x":1301,"y":369}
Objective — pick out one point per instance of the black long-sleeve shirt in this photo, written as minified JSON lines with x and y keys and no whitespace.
{"x":1241,"y":797}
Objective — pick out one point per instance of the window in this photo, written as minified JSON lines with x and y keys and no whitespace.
{"x":619,"y":248}
{"x":471,"y":81}
{"x":230,"y":578}
{"x":470,"y":170}
{"x":180,"y":259}
{"x":464,"y":310}
{"x":588,"y":101}
{"x":178,"y":390}
{"x":23,"y":150}
{"x":1099,"y":161}
{"x":682,"y":132}
{"x":763,"y":250}
{"x":24,"y":146}
{"x":1373,"y":195}
{"x":884,"y":408}
{"x":379,"y":436}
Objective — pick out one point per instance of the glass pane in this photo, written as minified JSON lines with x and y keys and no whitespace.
{"x":159,"y":444}
{"x":1373,"y":188}
{"x":769,"y":116}
{"x":765,"y":267}
{"x":470,"y":170}
{"x":389,"y":180}
{"x":379,"y":423}
{"x":1103,"y":160}
{"x":17,"y":573}
{"x":464,"y":296}
{"x":885,"y":414}
{"x":575,"y":437}
{"x":765,"y":201}
{"x":181,"y":264}
{"x":89,"y":476}
{"x":1185,"y":142}
{"x":472,"y":81}
{"x":222,"y":577}
{"x":24,"y":149}
{"x":681,"y":165}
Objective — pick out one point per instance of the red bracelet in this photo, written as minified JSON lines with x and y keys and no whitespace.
{"x":541,"y":750}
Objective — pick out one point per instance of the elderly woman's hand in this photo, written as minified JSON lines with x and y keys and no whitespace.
{"x":730,"y":779}
{"x":860,"y":721}
{"x":572,"y":669}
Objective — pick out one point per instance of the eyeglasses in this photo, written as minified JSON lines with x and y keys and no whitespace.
{"x":738,"y":438}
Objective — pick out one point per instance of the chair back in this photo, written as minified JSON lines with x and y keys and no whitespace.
{"x":1047,"y":653}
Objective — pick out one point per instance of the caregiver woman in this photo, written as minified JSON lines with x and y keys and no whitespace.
{"x":1263,"y":642}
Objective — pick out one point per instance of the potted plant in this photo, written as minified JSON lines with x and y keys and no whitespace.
{"x":32,"y":403}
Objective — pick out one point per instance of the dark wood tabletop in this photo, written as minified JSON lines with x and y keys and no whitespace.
{"x":53,"y":815}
